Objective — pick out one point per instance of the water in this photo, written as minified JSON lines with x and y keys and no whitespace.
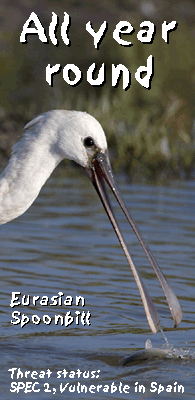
{"x":65,"y":243}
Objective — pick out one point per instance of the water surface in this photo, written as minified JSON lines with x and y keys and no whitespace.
{"x":65,"y":243}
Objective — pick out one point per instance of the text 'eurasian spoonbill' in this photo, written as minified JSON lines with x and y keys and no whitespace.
{"x":50,"y":138}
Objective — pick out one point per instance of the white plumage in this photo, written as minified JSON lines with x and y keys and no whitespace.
{"x":48,"y":139}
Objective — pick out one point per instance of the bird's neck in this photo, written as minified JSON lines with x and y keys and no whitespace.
{"x":30,"y":165}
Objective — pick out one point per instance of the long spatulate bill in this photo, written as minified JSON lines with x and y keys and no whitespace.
{"x":100,"y":170}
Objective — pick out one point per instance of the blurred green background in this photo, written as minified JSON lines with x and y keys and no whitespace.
{"x":150,"y":132}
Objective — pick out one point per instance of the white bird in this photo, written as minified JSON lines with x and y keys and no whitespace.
{"x":50,"y":138}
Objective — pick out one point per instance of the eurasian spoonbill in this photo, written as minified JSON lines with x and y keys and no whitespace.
{"x":48,"y":139}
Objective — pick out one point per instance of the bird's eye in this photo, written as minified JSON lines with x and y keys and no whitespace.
{"x":89,"y":142}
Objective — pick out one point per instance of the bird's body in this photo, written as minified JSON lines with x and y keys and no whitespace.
{"x":50,"y":138}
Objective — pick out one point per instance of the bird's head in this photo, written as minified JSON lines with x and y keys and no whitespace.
{"x":79,"y":136}
{"x":72,"y":135}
